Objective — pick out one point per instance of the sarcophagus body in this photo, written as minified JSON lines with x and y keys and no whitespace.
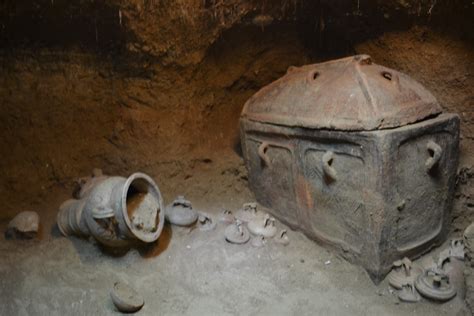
{"x":359,"y":157}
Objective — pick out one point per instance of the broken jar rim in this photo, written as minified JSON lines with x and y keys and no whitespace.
{"x":148,"y":236}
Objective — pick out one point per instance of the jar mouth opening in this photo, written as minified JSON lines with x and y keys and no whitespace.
{"x":142,"y":207}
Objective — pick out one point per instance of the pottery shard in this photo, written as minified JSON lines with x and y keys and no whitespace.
{"x":23,"y":226}
{"x":126,"y":299}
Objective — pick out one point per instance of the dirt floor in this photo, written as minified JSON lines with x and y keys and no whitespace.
{"x":167,"y":102}
{"x":189,"y":272}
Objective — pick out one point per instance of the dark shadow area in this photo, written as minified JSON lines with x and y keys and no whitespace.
{"x":83,"y":246}
{"x":55,"y":232}
{"x":238,"y":148}
{"x":155,"y":249}
{"x":330,"y":29}
{"x":146,"y":250}
{"x":94,"y":25}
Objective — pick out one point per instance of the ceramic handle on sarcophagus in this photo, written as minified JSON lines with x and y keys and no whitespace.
{"x":328,"y":169}
{"x":262,"y":153}
{"x":435,"y":155}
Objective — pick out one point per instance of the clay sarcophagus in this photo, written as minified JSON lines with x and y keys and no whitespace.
{"x":357,"y":156}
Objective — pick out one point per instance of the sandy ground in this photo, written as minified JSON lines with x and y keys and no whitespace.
{"x":189,"y":272}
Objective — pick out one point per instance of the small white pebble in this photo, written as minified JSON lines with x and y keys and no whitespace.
{"x":327,"y":262}
{"x":188,"y":246}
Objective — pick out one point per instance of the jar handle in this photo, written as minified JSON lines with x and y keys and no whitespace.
{"x":329,"y":171}
{"x":435,"y":152}
{"x":262,"y":153}
{"x":102,"y":212}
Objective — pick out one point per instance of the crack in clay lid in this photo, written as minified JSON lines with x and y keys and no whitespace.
{"x":351,"y":93}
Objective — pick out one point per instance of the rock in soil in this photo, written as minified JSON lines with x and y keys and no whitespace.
{"x":25,"y":225}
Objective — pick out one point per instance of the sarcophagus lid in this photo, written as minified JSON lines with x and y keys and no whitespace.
{"x":352,"y":94}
